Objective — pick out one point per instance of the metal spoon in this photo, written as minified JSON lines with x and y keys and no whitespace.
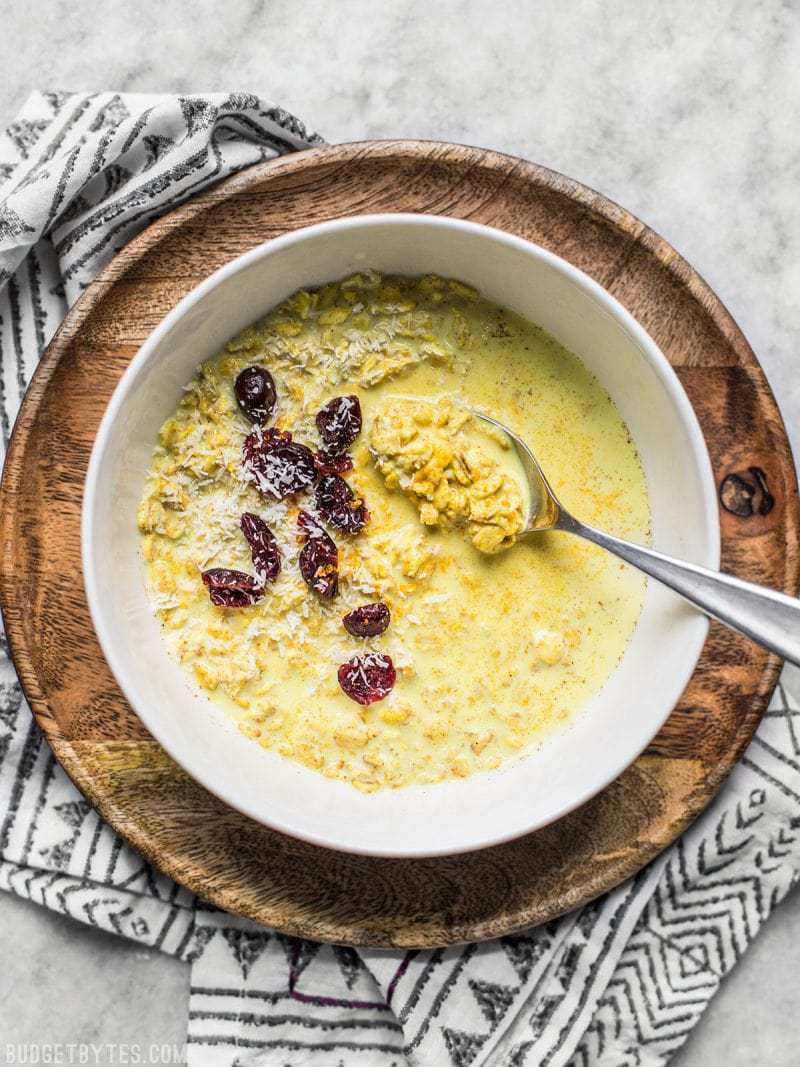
{"x":765,"y":616}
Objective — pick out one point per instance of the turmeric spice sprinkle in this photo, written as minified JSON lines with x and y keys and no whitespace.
{"x":488,"y":647}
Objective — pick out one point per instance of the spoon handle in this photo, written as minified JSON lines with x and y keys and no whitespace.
{"x":765,"y":616}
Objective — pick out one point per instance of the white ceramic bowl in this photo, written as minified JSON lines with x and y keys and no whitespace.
{"x":601,"y":740}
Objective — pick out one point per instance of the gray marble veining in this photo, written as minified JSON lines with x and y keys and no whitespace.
{"x":686,"y":113}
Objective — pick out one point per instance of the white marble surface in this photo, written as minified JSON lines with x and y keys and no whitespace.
{"x":684,"y":112}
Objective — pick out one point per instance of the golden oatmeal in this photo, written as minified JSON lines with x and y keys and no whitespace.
{"x":440,"y":457}
{"x":326,"y":532}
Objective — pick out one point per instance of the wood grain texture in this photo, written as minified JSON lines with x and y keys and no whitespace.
{"x":238,"y":864}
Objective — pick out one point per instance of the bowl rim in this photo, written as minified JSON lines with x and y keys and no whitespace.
{"x":129,"y":379}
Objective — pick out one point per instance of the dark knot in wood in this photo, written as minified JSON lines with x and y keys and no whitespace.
{"x":745,"y":493}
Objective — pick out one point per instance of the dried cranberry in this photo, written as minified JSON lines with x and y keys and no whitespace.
{"x":309,"y":525}
{"x":319,"y":557}
{"x":339,"y":506}
{"x":255,"y":394}
{"x":263,"y":546}
{"x":368,"y":678}
{"x":328,"y":463}
{"x":276,"y":464}
{"x":339,"y":423}
{"x":260,"y":440}
{"x":232,"y":589}
{"x":368,"y":620}
{"x":333,"y":492}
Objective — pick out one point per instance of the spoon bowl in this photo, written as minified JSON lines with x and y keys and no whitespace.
{"x":544,"y":508}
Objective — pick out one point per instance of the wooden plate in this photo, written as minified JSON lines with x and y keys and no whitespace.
{"x":238,"y":864}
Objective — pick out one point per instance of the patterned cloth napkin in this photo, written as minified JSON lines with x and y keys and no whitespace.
{"x":619,"y":983}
